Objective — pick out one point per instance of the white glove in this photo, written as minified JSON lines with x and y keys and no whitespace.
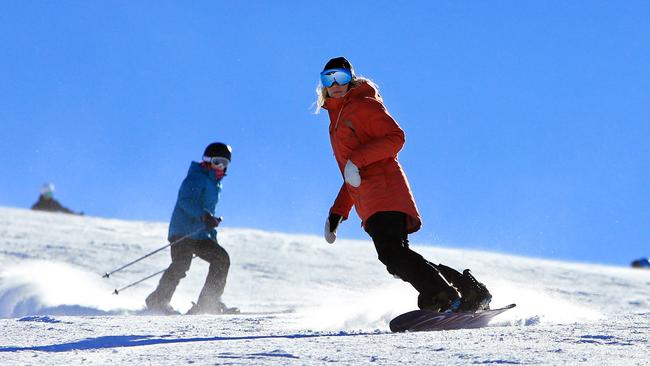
{"x":330,"y":236}
{"x":351,"y":174}
{"x":330,"y":232}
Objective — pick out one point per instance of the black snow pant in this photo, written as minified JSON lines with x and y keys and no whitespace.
{"x":388,"y":231}
{"x":182,"y":254}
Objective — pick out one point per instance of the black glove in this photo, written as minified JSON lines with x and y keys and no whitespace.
{"x":210,"y":221}
{"x":334,"y":220}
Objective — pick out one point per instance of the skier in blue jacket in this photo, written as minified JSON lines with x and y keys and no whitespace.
{"x":194,"y":222}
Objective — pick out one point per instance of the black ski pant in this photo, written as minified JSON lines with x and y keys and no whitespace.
{"x":388,"y":231}
{"x":182,"y":254}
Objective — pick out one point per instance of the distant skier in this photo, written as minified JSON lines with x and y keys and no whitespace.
{"x":194,"y":210}
{"x":366,"y":140}
{"x":46,"y":201}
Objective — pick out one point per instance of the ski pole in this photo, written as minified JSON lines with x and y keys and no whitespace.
{"x":117,"y":292}
{"x":108,"y":274}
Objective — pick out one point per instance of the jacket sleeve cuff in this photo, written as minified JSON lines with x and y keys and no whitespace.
{"x":338,"y":212}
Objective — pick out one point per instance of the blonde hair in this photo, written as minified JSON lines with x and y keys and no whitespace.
{"x":321,"y":91}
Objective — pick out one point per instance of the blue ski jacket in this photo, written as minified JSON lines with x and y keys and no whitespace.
{"x":198,"y":195}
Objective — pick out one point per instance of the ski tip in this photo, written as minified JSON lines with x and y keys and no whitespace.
{"x":106,"y":275}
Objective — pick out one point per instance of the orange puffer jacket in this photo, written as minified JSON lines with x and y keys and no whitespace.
{"x":361,"y":130}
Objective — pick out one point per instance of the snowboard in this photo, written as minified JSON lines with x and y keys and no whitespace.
{"x":429,"y":320}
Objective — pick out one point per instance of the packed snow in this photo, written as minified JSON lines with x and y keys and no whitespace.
{"x":303,"y":301}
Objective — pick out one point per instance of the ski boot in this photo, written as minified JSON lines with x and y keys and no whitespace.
{"x":160,"y":309}
{"x":212,"y":308}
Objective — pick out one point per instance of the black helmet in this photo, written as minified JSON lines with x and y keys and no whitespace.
{"x":218,"y":149}
{"x":339,"y":63}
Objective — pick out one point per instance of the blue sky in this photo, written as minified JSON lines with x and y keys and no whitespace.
{"x":527,"y":123}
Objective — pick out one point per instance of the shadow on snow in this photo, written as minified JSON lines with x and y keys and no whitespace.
{"x":146,"y":340}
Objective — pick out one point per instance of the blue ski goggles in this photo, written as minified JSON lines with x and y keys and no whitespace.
{"x":339,"y":76}
{"x":217,"y":161}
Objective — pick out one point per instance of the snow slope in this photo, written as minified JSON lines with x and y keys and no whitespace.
{"x":303,"y":301}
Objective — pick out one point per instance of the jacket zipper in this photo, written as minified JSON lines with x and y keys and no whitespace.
{"x":336,"y":125}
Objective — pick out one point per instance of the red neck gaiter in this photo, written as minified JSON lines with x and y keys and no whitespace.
{"x":218,"y":173}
